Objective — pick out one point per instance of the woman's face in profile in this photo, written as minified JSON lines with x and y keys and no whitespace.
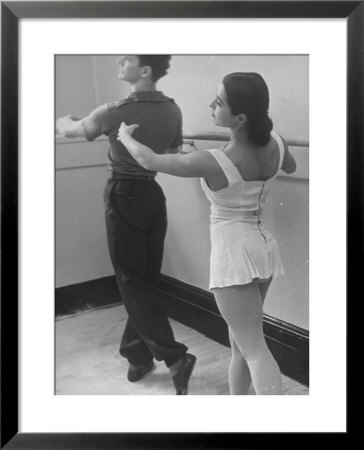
{"x":221,"y":113}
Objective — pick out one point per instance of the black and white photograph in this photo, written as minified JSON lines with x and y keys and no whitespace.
{"x":182,"y":224}
{"x":180,"y":207}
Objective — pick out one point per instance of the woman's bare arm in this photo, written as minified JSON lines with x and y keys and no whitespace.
{"x":197,"y":164}
{"x":289,"y":163}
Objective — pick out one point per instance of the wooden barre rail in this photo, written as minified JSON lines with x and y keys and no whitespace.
{"x":189,"y":139}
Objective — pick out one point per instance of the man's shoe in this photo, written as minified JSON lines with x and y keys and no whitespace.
{"x":181,"y":378}
{"x":135,"y":373}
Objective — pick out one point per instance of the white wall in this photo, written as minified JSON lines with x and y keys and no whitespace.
{"x":84,"y":82}
{"x":193,"y":82}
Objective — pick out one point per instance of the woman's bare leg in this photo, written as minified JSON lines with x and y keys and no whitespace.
{"x":263,"y":288}
{"x":239,"y":372}
{"x":242,"y":308}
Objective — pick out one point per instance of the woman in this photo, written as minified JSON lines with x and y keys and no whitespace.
{"x":244,"y":255}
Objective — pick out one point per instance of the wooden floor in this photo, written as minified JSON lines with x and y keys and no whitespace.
{"x":88,"y":362}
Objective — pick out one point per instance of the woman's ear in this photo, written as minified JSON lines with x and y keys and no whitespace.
{"x":241,"y":120}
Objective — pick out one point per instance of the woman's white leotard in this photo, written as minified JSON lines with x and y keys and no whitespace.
{"x":242,"y":248}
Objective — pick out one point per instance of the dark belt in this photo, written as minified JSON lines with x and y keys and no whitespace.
{"x":120,"y":176}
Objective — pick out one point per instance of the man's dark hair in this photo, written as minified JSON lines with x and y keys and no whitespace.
{"x":158,"y":63}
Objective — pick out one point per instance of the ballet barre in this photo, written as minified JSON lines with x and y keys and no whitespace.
{"x":189,"y":139}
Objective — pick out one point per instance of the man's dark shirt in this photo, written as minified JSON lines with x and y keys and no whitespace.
{"x":160,"y":127}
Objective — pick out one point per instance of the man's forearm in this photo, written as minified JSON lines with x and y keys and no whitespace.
{"x":70,"y":127}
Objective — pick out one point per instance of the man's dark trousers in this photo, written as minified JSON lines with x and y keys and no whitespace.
{"x":136,"y":223}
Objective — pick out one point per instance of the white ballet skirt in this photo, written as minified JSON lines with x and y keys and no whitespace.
{"x":242,"y":248}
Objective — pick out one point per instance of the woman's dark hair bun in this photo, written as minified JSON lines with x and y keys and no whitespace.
{"x":247,"y":93}
{"x":259,"y":129}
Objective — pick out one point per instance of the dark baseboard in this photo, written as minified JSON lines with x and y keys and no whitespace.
{"x":88,"y":295}
{"x":197,"y":309}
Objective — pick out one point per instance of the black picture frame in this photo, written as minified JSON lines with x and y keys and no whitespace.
{"x":11,"y":12}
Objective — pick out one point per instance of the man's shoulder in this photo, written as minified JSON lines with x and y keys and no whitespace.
{"x":102,"y":110}
{"x":173,"y":106}
{"x":112,"y":110}
{"x":167,"y":99}
{"x":113,"y":106}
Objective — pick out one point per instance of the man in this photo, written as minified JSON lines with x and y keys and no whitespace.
{"x":136,"y":219}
